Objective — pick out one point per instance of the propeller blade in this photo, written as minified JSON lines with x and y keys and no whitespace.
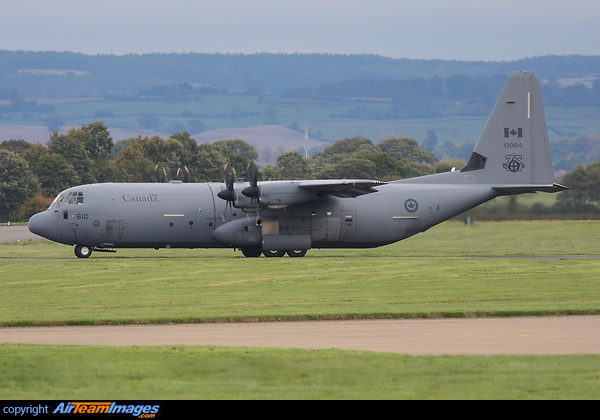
{"x":228,"y":194}
{"x":252,"y":191}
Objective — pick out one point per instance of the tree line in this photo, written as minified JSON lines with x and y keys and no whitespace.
{"x":31,"y":175}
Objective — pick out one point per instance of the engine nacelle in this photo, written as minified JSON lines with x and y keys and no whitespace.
{"x":247,"y":204}
{"x":282,"y":194}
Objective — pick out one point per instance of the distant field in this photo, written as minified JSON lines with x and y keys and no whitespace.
{"x":522,"y":201}
{"x":324,"y":117}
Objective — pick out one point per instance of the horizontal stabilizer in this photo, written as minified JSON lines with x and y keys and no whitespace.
{"x":521,"y":189}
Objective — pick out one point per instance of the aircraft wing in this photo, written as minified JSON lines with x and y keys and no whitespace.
{"x":345,"y":188}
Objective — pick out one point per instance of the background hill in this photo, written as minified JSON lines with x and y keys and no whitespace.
{"x":442,"y":102}
{"x":64,"y":74}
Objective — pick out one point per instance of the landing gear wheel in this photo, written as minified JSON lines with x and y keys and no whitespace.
{"x":82,"y":251}
{"x":273,"y":253}
{"x":252,"y":252}
{"x":297,"y":252}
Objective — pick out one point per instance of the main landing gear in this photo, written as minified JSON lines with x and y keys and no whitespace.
{"x":273,"y":253}
{"x":254,"y":252}
{"x":297,"y":252}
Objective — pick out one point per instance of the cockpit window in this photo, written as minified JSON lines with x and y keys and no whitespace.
{"x":57,"y":201}
{"x":74,"y":197}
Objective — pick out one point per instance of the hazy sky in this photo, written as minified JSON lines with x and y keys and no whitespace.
{"x":427,"y":29}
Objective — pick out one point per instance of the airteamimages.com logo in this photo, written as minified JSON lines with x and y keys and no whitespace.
{"x":143,"y":411}
{"x":92,"y":408}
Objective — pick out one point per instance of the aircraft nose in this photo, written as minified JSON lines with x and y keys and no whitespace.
{"x":41,"y":224}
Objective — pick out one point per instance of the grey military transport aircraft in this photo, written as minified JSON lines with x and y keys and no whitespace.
{"x":273,"y":218}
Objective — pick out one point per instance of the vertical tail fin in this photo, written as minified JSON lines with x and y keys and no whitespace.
{"x":513,"y":152}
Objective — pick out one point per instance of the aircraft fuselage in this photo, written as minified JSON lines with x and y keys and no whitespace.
{"x":180,"y":215}
{"x":512,"y":156}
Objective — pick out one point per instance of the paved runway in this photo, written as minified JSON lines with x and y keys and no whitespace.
{"x":16,"y":233}
{"x":478,"y":336}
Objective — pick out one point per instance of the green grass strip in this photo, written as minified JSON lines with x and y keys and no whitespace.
{"x":121,"y":291}
{"x":208,"y":372}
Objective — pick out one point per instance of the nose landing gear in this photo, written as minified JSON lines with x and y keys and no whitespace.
{"x":83,"y":251}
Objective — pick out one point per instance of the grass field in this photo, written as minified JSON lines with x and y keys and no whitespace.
{"x":400,"y":280}
{"x":161,"y":373}
{"x":444,"y":272}
{"x":158,"y":290}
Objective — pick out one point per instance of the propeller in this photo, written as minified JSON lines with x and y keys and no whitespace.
{"x":228,"y":194}
{"x":186,"y":174}
{"x":157,"y":173}
{"x":252,"y":191}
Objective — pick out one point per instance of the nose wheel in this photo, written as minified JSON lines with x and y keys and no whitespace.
{"x":83,"y":251}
